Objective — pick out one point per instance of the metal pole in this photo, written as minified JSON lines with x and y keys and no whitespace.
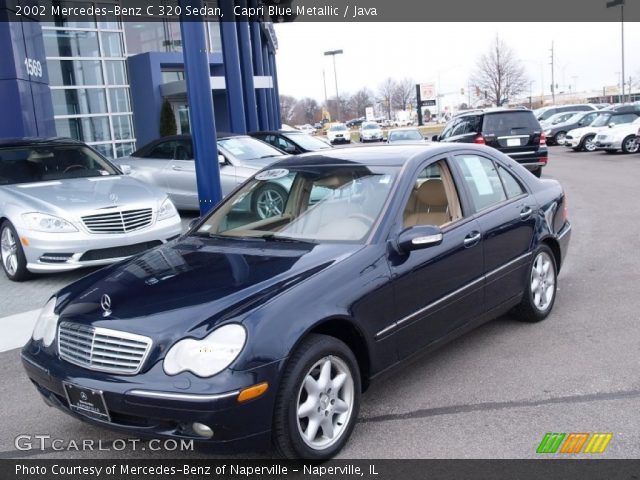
{"x":622,"y":34}
{"x":324,"y":82}
{"x":335,"y":77}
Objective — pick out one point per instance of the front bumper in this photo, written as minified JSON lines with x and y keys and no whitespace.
{"x":563,"y":237}
{"x":608,"y":143}
{"x":573,"y":142}
{"x":59,"y":252}
{"x":152,"y":404}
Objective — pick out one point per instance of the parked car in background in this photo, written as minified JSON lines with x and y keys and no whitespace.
{"x":557,"y":118}
{"x":625,"y":138}
{"x":308,"y":129}
{"x":168,"y":163}
{"x":584,"y":138}
{"x":371,"y":132}
{"x":556,"y":133}
{"x":405,"y":135}
{"x":63,"y":206}
{"x":291,"y":142}
{"x":246,"y":334}
{"x":356,"y":122}
{"x":515,"y":132}
{"x":544,"y":113}
{"x":339,"y":133}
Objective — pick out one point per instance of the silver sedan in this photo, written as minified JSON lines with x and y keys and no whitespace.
{"x":63,"y":206}
{"x":168,"y":164}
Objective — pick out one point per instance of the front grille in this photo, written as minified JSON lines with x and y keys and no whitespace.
{"x":118,"y":252}
{"x":102,"y":349}
{"x":119,"y":222}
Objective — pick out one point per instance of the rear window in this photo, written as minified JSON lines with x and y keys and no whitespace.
{"x":509,"y":123}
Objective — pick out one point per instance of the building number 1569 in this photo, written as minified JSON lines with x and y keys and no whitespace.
{"x":34,"y":67}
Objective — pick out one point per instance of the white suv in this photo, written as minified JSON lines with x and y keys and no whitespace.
{"x":620,"y":137}
{"x":338,"y":132}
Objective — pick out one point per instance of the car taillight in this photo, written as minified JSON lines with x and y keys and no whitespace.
{"x":543,"y":160}
{"x":543,"y":139}
{"x":479,"y":140}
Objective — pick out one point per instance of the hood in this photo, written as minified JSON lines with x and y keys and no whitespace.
{"x":259,"y":163}
{"x":183,"y":285}
{"x":579,"y":132}
{"x":79,"y":195}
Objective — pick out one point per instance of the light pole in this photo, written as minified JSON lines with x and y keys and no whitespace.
{"x":333,"y":54}
{"x":611,"y":4}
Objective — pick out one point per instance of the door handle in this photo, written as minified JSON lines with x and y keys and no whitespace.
{"x":472,"y":239}
{"x":176,"y":168}
{"x":525,"y":213}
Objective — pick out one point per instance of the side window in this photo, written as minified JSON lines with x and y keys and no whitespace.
{"x":184,"y":151}
{"x":449,"y":128}
{"x":621,"y":119}
{"x":433,"y":199}
{"x":482,"y":179}
{"x":163,"y":150}
{"x":511,"y":185}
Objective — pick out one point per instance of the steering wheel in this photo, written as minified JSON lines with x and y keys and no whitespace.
{"x":74,"y":167}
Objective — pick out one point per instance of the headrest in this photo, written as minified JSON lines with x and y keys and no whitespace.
{"x":432,"y":193}
{"x":333,"y":181}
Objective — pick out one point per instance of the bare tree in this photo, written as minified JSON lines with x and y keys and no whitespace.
{"x":385,"y":95}
{"x":499,"y":74}
{"x":287,"y":105}
{"x":360,"y":100}
{"x":404,"y":94}
{"x":306,"y":110}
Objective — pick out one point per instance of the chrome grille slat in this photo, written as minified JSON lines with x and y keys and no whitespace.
{"x":102,"y":349}
{"x":119,"y":222}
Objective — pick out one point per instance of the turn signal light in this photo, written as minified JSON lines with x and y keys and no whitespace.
{"x":25,"y":241}
{"x":253,"y":392}
{"x":479,"y":140}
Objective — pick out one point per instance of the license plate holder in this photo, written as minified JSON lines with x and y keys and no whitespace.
{"x":513,"y":142}
{"x":86,"y":401}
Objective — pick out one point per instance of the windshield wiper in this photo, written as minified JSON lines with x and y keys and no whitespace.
{"x":270,"y":156}
{"x":272,"y":237}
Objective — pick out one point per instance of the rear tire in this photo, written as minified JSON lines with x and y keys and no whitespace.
{"x":559,"y":138}
{"x":14,"y":261}
{"x":631,"y":144}
{"x":540,"y":287}
{"x":320,"y":389}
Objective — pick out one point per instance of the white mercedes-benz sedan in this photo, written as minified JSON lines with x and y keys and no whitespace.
{"x":63,"y":206}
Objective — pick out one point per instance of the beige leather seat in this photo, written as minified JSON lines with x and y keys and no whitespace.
{"x":429,"y":204}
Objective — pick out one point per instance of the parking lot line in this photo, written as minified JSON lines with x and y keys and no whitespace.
{"x":16,"y":329}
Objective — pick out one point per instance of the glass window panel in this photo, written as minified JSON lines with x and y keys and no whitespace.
{"x":122,"y":127}
{"x":175,"y":38}
{"x":70,"y":43}
{"x":105,"y":149}
{"x":75,"y":72}
{"x":69,"y":127}
{"x":87,"y":129}
{"x":111,"y":44}
{"x":109,"y":20}
{"x":483,"y":181}
{"x":173,"y":76}
{"x":124,"y":149}
{"x":145,"y":37}
{"x":215,"y":42}
{"x":80,"y":101}
{"x":115,"y":72}
{"x":119,"y":98}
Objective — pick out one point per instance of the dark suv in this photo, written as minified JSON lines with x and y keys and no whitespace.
{"x":516,"y":133}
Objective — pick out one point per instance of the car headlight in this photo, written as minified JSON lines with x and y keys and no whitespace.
{"x":43,"y":222}
{"x":45,"y":328}
{"x":167,"y":209}
{"x":208,"y":356}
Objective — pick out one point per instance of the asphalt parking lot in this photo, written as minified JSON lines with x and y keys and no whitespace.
{"x":491,"y":394}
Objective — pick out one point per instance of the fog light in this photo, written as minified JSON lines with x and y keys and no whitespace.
{"x":202,"y":430}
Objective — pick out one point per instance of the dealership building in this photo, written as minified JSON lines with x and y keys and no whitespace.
{"x":103,"y":80}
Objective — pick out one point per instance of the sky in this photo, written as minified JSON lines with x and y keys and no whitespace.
{"x":587,"y":55}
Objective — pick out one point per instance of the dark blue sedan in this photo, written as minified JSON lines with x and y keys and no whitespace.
{"x":248,"y":330}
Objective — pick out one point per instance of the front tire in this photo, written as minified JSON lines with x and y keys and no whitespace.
{"x":540,"y":288}
{"x":588,"y":144}
{"x":631,"y":144}
{"x":14,"y":262}
{"x":318,"y":401}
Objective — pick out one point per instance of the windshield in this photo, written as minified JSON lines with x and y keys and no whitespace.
{"x":45,"y":163}
{"x":576,"y":117}
{"x":601,"y":120}
{"x":307,"y":142}
{"x":337,"y":128}
{"x":314,"y":203}
{"x":247,"y":148}
{"x":402,"y":135}
{"x":371,"y":126}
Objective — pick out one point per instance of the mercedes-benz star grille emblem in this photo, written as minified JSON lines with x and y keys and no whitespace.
{"x":105,"y":302}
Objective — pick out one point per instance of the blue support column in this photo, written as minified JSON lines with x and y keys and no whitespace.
{"x":203,"y":124}
{"x":246,"y":67}
{"x":232,"y":74}
{"x":276,"y":90}
{"x":258,"y":68}
{"x":267,"y":72}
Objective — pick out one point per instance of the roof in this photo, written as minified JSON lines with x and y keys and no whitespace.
{"x":34,"y":141}
{"x":278,"y":132}
{"x":381,"y":155}
{"x":494,"y":110}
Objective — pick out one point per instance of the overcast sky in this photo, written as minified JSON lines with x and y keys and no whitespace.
{"x":587,"y":54}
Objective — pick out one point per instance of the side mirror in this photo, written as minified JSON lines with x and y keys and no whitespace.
{"x":612,"y":124}
{"x":221,"y":159}
{"x":126,"y":169}
{"x":435,"y":138}
{"x":290,"y":149}
{"x":193,"y":223}
{"x":419,"y":237}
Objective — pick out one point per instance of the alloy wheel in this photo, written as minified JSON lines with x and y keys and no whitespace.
{"x":590,"y":144}
{"x":9,"y":250}
{"x":270,"y":203}
{"x":560,"y":138}
{"x":543,"y":279}
{"x":631,"y":145}
{"x":325,"y":402}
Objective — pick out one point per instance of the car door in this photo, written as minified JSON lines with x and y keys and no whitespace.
{"x":181,"y":176}
{"x":439,"y":288}
{"x":150,"y":165}
{"x":505,"y":212}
